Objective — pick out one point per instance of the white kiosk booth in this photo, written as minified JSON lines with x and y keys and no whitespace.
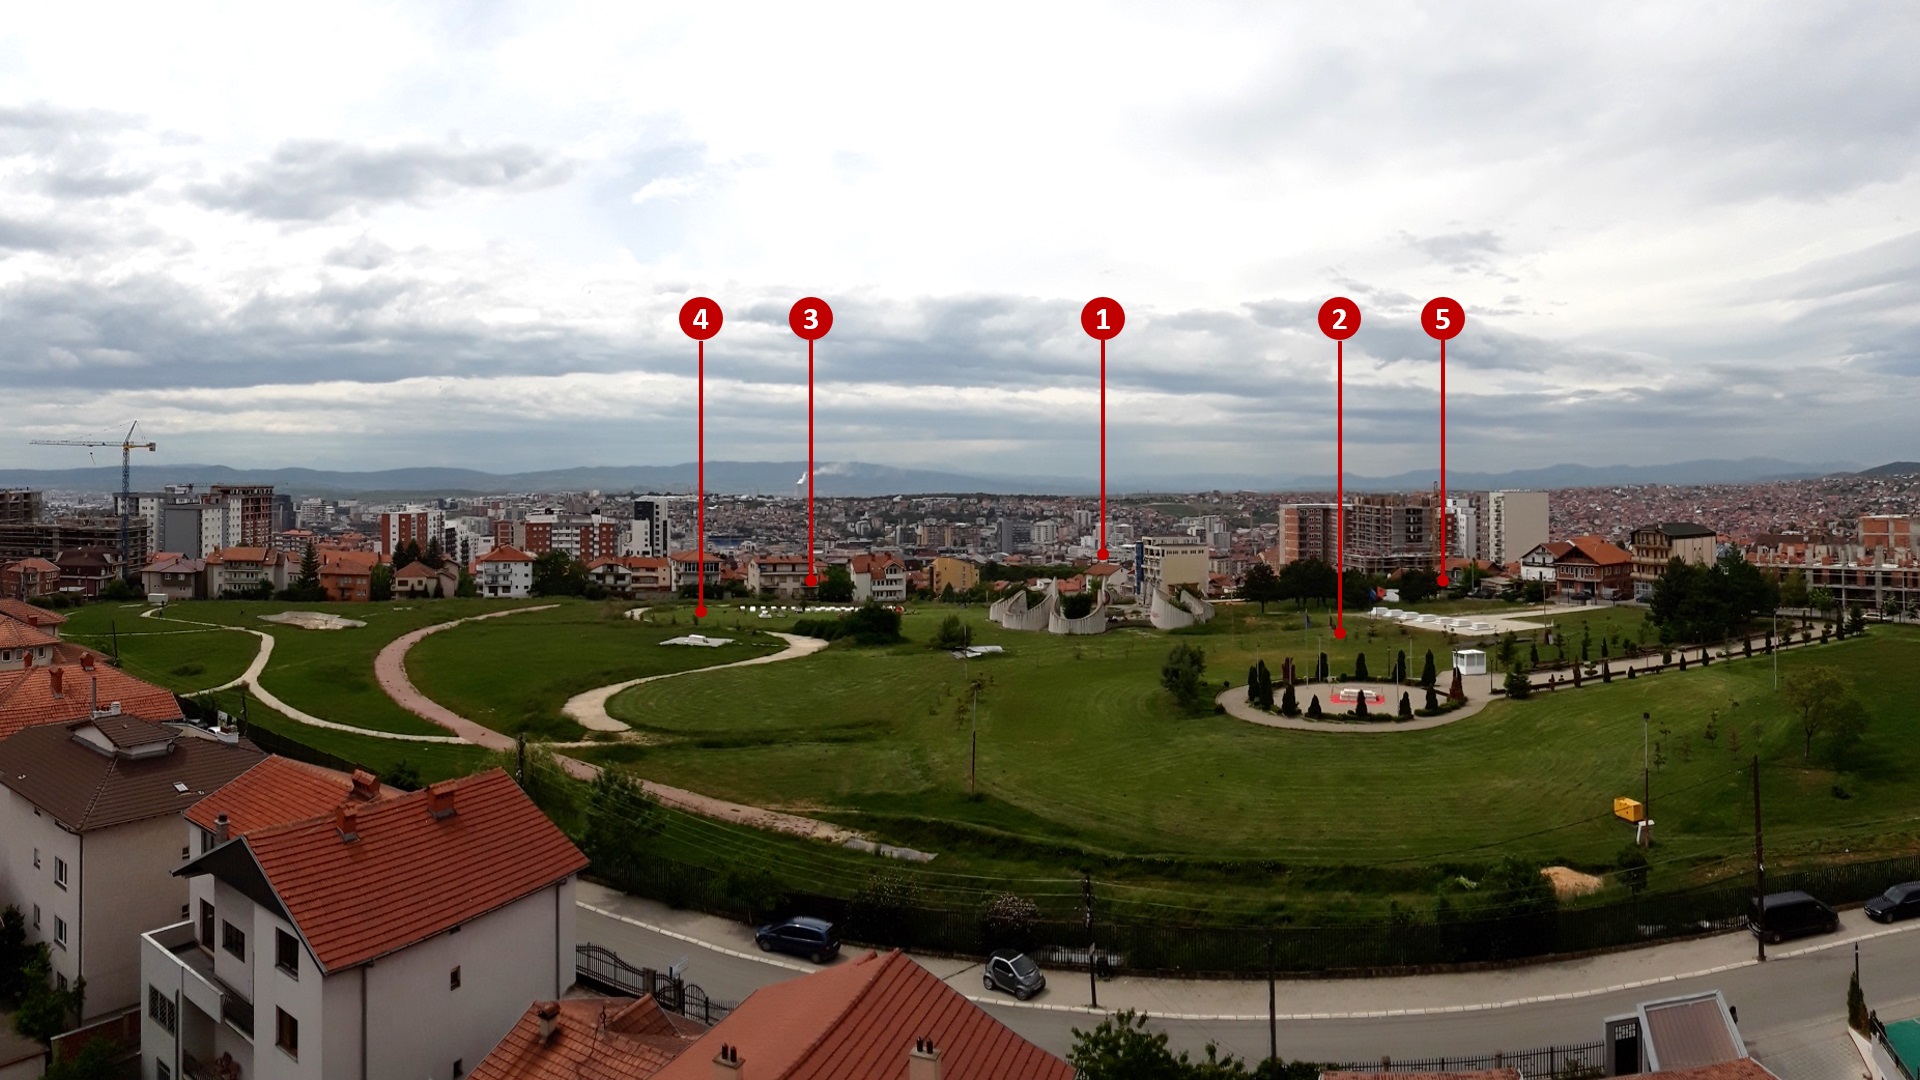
{"x":1470,"y":661}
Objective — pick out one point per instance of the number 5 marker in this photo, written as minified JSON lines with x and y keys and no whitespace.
{"x":700,"y":320}
{"x":1442,"y":319}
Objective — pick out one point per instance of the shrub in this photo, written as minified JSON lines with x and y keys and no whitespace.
{"x":1406,"y":706}
{"x":1180,"y":675}
{"x":1360,"y":667}
{"x":1313,"y":708}
{"x":954,"y":633}
{"x":1008,"y":922}
{"x":1518,"y":686}
{"x":1289,"y":704}
{"x":1077,"y":606}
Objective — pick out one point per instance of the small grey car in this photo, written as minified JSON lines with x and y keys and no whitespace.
{"x":1010,"y":970}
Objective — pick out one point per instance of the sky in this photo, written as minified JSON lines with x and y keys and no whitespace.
{"x":364,"y":237}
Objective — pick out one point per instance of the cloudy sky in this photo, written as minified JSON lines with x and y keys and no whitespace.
{"x":459,"y":234}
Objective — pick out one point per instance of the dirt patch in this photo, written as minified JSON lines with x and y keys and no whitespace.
{"x":1569,"y":883}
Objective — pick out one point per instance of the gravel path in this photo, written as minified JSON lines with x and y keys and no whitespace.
{"x":590,"y":708}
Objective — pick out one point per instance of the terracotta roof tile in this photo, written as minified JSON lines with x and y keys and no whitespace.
{"x":85,"y":787}
{"x":27,"y":698}
{"x":594,"y":1039}
{"x":278,"y":791}
{"x":860,"y":1018}
{"x":1467,"y":1074}
{"x":21,"y":611}
{"x":505,"y":553}
{"x":1741,"y":1069}
{"x":410,"y":875}
{"x":19,"y":635}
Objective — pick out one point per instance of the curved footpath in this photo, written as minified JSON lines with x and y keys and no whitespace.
{"x":1234,"y":698}
{"x":590,"y":708}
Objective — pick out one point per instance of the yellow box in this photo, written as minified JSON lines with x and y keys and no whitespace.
{"x":1629,"y":809}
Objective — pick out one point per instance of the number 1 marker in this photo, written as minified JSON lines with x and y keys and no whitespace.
{"x":700,"y":320}
{"x":1102,"y":319}
{"x":1443,"y":318}
{"x":1339,"y":318}
{"x":810,"y":318}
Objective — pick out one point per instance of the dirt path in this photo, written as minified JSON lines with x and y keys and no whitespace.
{"x":590,"y":708}
{"x":390,"y":668}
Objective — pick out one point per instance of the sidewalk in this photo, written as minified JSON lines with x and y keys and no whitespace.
{"x":1296,"y":999}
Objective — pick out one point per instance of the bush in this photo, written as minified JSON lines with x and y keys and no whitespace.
{"x":1406,"y":706}
{"x":954,"y":633}
{"x":870,"y":624}
{"x":1518,"y":685}
{"x":1008,"y":922}
{"x":1313,"y":708}
{"x":1180,"y":675}
{"x":879,"y":911}
{"x":1289,"y":704}
{"x":1077,"y":606}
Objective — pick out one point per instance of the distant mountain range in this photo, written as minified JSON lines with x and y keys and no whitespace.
{"x":856,"y":478}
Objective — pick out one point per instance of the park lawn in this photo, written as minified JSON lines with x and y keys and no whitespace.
{"x":162,"y":654}
{"x":514,"y":674}
{"x":1079,"y":745}
{"x":329,"y":673}
{"x":433,"y":761}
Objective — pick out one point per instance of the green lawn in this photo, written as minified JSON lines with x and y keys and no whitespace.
{"x":514,"y":674}
{"x":183,"y":659}
{"x":1079,"y":746}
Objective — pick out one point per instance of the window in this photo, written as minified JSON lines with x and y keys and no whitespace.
{"x":60,"y":871}
{"x":286,"y":953}
{"x":60,"y":931}
{"x":453,"y":979}
{"x":206,"y":925}
{"x":160,"y":1070}
{"x":206,"y":839}
{"x":459,"y":1068}
{"x":160,"y":1009}
{"x":286,"y":1033}
{"x":36,"y":858}
{"x":233,"y":939}
{"x":36,"y":916}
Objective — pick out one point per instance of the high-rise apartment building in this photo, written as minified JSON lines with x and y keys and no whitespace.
{"x":1390,"y":533}
{"x":1169,"y":561}
{"x":1307,"y":532}
{"x":18,"y":506}
{"x":415,"y":524}
{"x":650,"y":536}
{"x":1887,"y":531}
{"x":1516,"y":523}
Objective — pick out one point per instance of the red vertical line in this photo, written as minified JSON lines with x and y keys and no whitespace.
{"x":1443,"y":457}
{"x":1340,"y":483}
{"x":810,"y":571}
{"x":700,"y":511}
{"x":1103,"y":445}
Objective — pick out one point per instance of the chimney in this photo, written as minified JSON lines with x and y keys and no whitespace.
{"x":549,"y":1014}
{"x":727,"y":1065}
{"x":222,"y":830}
{"x":440,"y":798}
{"x":27,"y":658}
{"x":347,"y":820}
{"x":923,"y":1061}
{"x":366,"y":786}
{"x":57,"y":677}
{"x":86,"y":661}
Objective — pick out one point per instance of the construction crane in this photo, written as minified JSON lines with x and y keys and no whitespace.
{"x":127,"y":447}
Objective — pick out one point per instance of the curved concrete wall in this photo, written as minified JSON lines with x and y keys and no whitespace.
{"x":1093,"y":622}
{"x":1012,"y":613}
{"x":1165,"y":614}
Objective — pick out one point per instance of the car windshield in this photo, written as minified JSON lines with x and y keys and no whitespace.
{"x":1024,"y":967}
{"x":1896,"y":894}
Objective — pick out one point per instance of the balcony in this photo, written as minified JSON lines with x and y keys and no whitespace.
{"x":199,"y":985}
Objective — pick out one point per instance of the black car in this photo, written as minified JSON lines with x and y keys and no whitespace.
{"x":1010,"y":970}
{"x":1899,"y":902}
{"x":1784,"y":915}
{"x":815,"y":939}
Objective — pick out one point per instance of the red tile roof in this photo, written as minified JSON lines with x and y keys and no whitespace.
{"x":19,"y":635}
{"x":410,"y":875}
{"x":27,"y":698}
{"x":594,"y":1038}
{"x":1467,"y":1074}
{"x":505,"y":553}
{"x":860,"y":1018}
{"x":242,"y":554}
{"x":1597,"y":549}
{"x":1741,"y":1069}
{"x":278,"y":791}
{"x":21,"y":611}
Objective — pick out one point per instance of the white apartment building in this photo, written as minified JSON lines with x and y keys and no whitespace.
{"x":782,"y":575}
{"x":880,"y":578}
{"x":1516,"y":524}
{"x":398,"y":939}
{"x":90,"y":836}
{"x":504,"y":572}
{"x":1173,"y":560}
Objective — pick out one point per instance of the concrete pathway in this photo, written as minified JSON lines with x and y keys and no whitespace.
{"x":1235,"y":700}
{"x":390,"y":669}
{"x":590,"y":708}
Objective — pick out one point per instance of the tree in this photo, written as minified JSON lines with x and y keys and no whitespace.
{"x":406,"y":554}
{"x":14,"y":955}
{"x":309,"y":570}
{"x":1456,"y":692}
{"x":622,"y":819}
{"x":837,"y":586}
{"x":1518,"y":685}
{"x":1856,"y":620}
{"x":468,"y":587}
{"x":1418,"y":586}
{"x":435,"y":556}
{"x":1360,"y":705}
{"x":1857,"y":1006}
{"x":1313,"y":708}
{"x":1821,"y":600}
{"x":380,"y":584}
{"x":872,"y":624}
{"x":558,"y":573}
{"x":1406,"y":705}
{"x":1180,"y":675}
{"x":1321,"y":673}
{"x":98,"y":1059}
{"x":1432,"y":704}
{"x":45,"y":1011}
{"x":1121,"y":1048}
{"x":1816,"y":693}
{"x":1400,"y":666}
{"x":954,"y":634}
{"x":1360,"y":667}
{"x":1289,"y":704}
{"x":1427,"y":673}
{"x":1793,"y":590}
{"x":1260,"y":585}
{"x":1633,"y":868}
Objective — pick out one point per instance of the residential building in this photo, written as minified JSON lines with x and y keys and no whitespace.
{"x":504,"y":572}
{"x":1307,"y":531}
{"x":1170,"y":561}
{"x":28,"y":578}
{"x":345,"y":575}
{"x":24,"y":645}
{"x":77,"y":532}
{"x":1465,"y":518}
{"x":414,"y":524}
{"x":1883,"y":579}
{"x":1013,"y":535}
{"x":239,"y":571}
{"x":1887,"y":531}
{"x":872,"y":1016}
{"x":1656,"y":545}
{"x":175,"y":577}
{"x":948,"y":572}
{"x":880,"y":577}
{"x":1592,"y":569}
{"x":584,"y":536}
{"x":650,"y":533}
{"x":293,"y":543}
{"x":1387,"y":534}
{"x":390,"y":940}
{"x":778,"y":575}
{"x":248,"y":513}
{"x":1537,"y":563}
{"x":36,"y":690}
{"x":37,"y":617}
{"x":689,"y":568}
{"x":1516,"y":524}
{"x":418,"y":581}
{"x":90,"y":837}
{"x":19,"y":506}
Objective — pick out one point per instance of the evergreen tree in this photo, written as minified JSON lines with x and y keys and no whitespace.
{"x":1253,"y":686}
{"x":1321,"y":675}
{"x":1360,"y":667}
{"x":435,"y":556}
{"x":1433,"y":700}
{"x":406,"y":554}
{"x":1533,"y":654}
{"x":1406,"y":705}
{"x":310,"y":568}
{"x":1313,"y":708}
{"x":1266,"y":685}
{"x":1289,"y":705}
{"x":1456,"y":693}
{"x":1360,"y":706}
{"x":1427,"y":672}
{"x":1400,"y":666}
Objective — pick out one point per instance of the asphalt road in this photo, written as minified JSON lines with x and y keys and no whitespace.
{"x":1785,"y":1006}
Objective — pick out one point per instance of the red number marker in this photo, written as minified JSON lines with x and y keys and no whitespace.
{"x":1102,"y":319}
{"x":1443,"y":318}
{"x":810,"y":318}
{"x":700,"y":320}
{"x":1339,"y":320}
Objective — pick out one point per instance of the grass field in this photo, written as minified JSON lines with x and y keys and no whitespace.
{"x":184,"y":659}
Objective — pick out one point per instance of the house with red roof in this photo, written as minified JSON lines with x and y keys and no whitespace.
{"x":393,"y":939}
{"x":345,"y":575}
{"x":1593,"y":569}
{"x":880,"y":577}
{"x":240,"y":571}
{"x":175,"y":577}
{"x":417,"y":580}
{"x":29,"y":578}
{"x":37,"y":617}
{"x":874,"y":1016}
{"x":90,"y":836}
{"x":778,"y":575}
{"x":690,"y":567}
{"x":506,"y":571}
{"x":70,"y":686}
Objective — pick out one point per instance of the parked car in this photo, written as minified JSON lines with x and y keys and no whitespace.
{"x":1010,"y":970}
{"x":1779,"y":916}
{"x":1899,"y":902}
{"x":815,"y":939}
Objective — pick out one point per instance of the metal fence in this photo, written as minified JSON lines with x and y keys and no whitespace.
{"x":599,"y":966}
{"x":1566,"y":1062}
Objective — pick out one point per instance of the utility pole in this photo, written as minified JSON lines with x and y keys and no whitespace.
{"x":1093,"y":986}
{"x":1759,"y":865}
{"x":1646,"y":779}
{"x":520,"y":759}
{"x":1273,"y":1014}
{"x":973,"y":752}
{"x":1775,"y":642}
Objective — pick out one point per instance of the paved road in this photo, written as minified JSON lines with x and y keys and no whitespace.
{"x":1791,"y":1009}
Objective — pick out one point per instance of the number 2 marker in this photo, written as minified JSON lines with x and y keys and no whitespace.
{"x":700,"y":319}
{"x":1339,"y":320}
{"x":1442,"y":319}
{"x":810,"y":318}
{"x":1102,"y":319}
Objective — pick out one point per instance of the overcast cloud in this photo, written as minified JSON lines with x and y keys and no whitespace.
{"x":459,"y":234}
